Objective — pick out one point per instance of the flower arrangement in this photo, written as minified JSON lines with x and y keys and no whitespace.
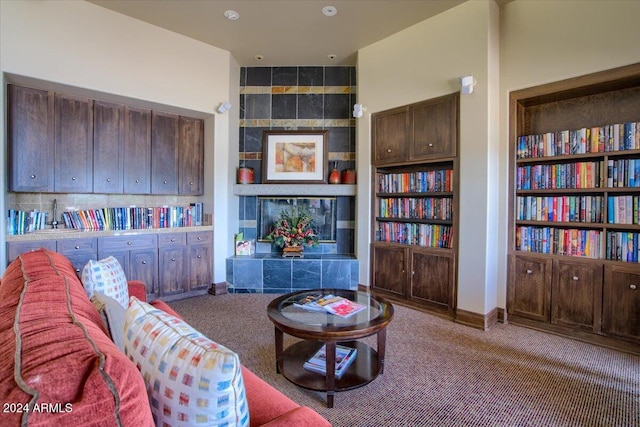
{"x":294,"y":228}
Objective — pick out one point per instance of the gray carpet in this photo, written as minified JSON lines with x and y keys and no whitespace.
{"x":439,"y":373}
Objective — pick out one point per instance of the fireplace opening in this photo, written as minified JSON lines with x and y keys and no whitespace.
{"x":323,"y":210}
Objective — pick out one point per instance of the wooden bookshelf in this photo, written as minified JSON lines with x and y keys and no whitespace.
{"x":414,"y":203}
{"x":574,"y":231}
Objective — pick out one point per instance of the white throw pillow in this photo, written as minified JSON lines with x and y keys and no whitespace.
{"x":112,"y":314}
{"x":190,"y":379}
{"x":106,"y":276}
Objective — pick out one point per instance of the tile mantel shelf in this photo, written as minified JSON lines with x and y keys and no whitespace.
{"x":294,"y":189}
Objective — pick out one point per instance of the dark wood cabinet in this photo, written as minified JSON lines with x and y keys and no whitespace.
{"x":173,"y":267}
{"x":108,"y":147}
{"x":191,"y":156}
{"x":73,"y":157}
{"x":415,"y":198}
{"x":200,"y":257}
{"x":164,"y":153}
{"x":137,"y":146}
{"x":572,"y":145}
{"x":78,"y":251}
{"x":14,"y":249}
{"x":30,"y":136}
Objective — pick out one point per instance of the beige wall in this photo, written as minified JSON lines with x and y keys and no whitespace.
{"x":81,"y":48}
{"x":422,"y":62}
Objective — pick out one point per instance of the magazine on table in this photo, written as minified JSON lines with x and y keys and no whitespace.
{"x":337,"y":305}
{"x":344,"y":357}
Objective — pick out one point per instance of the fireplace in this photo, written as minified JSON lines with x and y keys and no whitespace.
{"x":322,"y":209}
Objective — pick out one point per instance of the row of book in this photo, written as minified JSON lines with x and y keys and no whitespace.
{"x":623,"y":209}
{"x":420,"y":208}
{"x":134,"y":218}
{"x":427,"y":235}
{"x":599,"y":139}
{"x":623,"y":246}
{"x":22,"y":222}
{"x":559,"y":176}
{"x":415,"y":182}
{"x":559,"y":241}
{"x":344,"y":358}
{"x":560,"y":208}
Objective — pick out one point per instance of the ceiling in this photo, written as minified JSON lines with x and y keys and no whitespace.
{"x":284,"y":32}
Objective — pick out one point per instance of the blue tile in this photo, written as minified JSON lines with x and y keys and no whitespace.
{"x":258,"y":76}
{"x":284,"y":76}
{"x":284,"y":106}
{"x":253,"y":139}
{"x":311,"y":76}
{"x":339,"y":139}
{"x":229,"y":270}
{"x":247,"y":273}
{"x":257,"y":106}
{"x":355,"y":273}
{"x":310,"y":106}
{"x":337,"y":76}
{"x":336,"y":274}
{"x":277,"y":274}
{"x":306,"y":274}
{"x":337,"y":106}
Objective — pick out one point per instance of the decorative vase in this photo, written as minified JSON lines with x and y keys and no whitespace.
{"x":293,"y":252}
{"x":348,"y":176}
{"x":334,"y":177}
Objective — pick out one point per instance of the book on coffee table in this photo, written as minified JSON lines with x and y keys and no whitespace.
{"x":344,"y":357}
{"x":337,"y":305}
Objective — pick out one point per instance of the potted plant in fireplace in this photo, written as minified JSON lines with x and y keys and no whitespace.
{"x":292,"y":231}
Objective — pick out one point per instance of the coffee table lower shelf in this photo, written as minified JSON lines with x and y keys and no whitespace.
{"x":363,"y":370}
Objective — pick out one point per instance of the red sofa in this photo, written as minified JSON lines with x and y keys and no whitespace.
{"x":58,"y":365}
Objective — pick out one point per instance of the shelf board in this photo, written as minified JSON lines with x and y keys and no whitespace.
{"x":294,"y":189}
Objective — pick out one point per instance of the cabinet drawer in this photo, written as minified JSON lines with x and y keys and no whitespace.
{"x":172,"y":239}
{"x":140,"y":241}
{"x":70,"y":246}
{"x":16,"y":248}
{"x":199,"y":237}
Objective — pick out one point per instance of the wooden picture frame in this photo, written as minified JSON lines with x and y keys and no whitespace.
{"x":295,"y":157}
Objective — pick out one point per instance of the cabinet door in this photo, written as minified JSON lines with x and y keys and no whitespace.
{"x":200,"y":274}
{"x":191,"y":172}
{"x":431,"y":278}
{"x":529,"y":293}
{"x":14,"y":249}
{"x":143,"y":266}
{"x":30,"y":139}
{"x":137,"y":146}
{"x":434,"y":128}
{"x":576,"y":294}
{"x":73,"y":167}
{"x":390,"y":136}
{"x":164,"y":154}
{"x":621,"y":312}
{"x":78,"y":251}
{"x":389,"y":270}
{"x":108,"y":147}
{"x":172,"y":271}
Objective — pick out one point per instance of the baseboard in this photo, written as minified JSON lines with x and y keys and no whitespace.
{"x":477,"y":320}
{"x":218,"y":288}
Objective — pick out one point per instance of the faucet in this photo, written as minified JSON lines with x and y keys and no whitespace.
{"x":54,"y":223}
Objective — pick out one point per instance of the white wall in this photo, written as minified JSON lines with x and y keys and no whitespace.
{"x":423,"y":62}
{"x":89,"y":50}
{"x":547,"y":41}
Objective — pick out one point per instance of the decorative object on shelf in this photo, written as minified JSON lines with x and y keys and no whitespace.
{"x":294,"y":157}
{"x":245,"y":175}
{"x":349,"y":176}
{"x":292,"y":231}
{"x":334,"y":177}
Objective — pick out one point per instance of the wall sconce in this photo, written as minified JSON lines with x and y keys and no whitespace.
{"x":466,"y":84}
{"x":358,"y":110}
{"x":224,"y":107}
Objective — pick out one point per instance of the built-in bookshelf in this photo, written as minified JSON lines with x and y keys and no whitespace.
{"x":574,"y":227}
{"x":414,"y":203}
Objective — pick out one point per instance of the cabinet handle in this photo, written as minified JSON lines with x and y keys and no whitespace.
{"x":32,"y":176}
{"x":73,"y":178}
{"x":191,"y":183}
{"x":144,"y":262}
{"x":199,"y":256}
{"x":632,"y":286}
{"x":137,"y":181}
{"x":430,"y":144}
{"x":173,"y":240}
{"x":108,"y":179}
{"x":529,"y":271}
{"x":173,"y":259}
{"x":576,"y":278}
{"x":77,"y":270}
{"x":199,"y":238}
{"x":77,"y":247}
{"x":165,"y":182}
{"x":388,"y":150}
{"x":129,"y":243}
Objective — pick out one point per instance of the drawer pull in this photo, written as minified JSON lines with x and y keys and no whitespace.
{"x":77,"y":247}
{"x":144,"y":262}
{"x":576,"y":278}
{"x":165,"y":182}
{"x":632,"y":286}
{"x":73,"y":178}
{"x":137,"y":181}
{"x":529,"y":272}
{"x":199,"y":256}
{"x":173,"y":259}
{"x":173,"y":240}
{"x":108,"y":179}
{"x":77,"y":270}
{"x":32,"y":176}
{"x":388,"y":150}
{"x":199,"y":238}
{"x":191,"y":183}
{"x":430,"y":144}
{"x":129,"y":243}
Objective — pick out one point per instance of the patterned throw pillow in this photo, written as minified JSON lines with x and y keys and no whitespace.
{"x":106,"y":276}
{"x":112,"y":314}
{"x":190,"y":379}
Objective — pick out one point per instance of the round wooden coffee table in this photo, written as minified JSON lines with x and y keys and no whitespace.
{"x":319,"y":328}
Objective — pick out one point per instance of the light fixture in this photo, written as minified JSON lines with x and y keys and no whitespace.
{"x":358,"y":110}
{"x":332,"y":56}
{"x":466,"y":84}
{"x":329,"y":10}
{"x":223,"y":107}
{"x":231,"y":15}
{"x":259,"y":57}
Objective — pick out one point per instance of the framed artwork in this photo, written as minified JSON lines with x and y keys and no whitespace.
{"x":294,"y":157}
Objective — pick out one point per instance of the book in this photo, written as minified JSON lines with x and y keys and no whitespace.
{"x":331,"y":304}
{"x":308,"y":302}
{"x":344,"y":307}
{"x":344,"y":358}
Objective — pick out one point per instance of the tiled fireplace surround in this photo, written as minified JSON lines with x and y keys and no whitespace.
{"x":296,"y":98}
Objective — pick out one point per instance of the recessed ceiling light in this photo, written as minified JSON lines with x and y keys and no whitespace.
{"x":259,"y":57}
{"x":329,"y":10}
{"x":231,"y":15}
{"x":332,"y":56}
